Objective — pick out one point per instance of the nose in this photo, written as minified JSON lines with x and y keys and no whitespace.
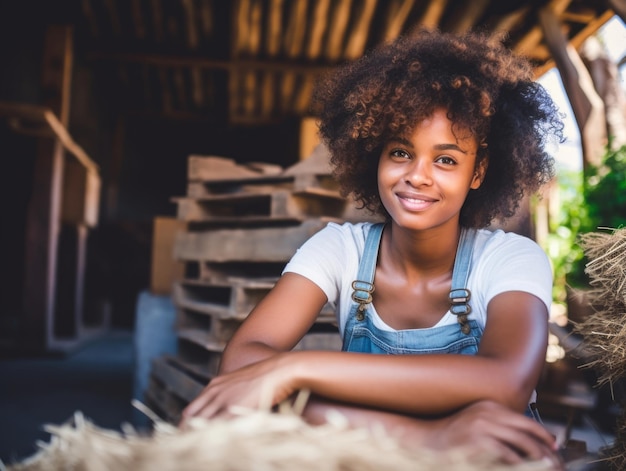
{"x":419,"y":173}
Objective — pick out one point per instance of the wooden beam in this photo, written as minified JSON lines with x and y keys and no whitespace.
{"x":91,"y":18}
{"x":358,"y":37}
{"x":274,"y":28}
{"x":337,"y":31}
{"x":586,"y":105}
{"x":508,"y":21}
{"x":205,"y":16}
{"x":138,"y":21}
{"x":287,"y":90}
{"x":202,"y":62}
{"x":397,"y":13}
{"x":268,"y":83}
{"x":466,"y":16}
{"x":432,"y":16}
{"x":114,"y":17}
{"x":157,"y":20}
{"x":534,"y":36}
{"x":180,"y":87}
{"x":619,"y":7}
{"x":254,"y":31}
{"x":197,"y":86}
{"x":296,"y":28}
{"x":39,"y":116}
{"x":577,"y":41}
{"x":44,"y":210}
{"x":303,"y":99}
{"x":318,"y":28}
{"x":240,"y":25}
{"x":166,"y":93}
{"x":190,"y":24}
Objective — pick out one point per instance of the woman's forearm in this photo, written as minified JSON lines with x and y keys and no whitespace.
{"x":421,"y":384}
{"x":243,"y":355}
{"x":408,"y":431}
{"x":482,"y":427}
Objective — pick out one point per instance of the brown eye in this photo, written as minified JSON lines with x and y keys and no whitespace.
{"x":400,"y":154}
{"x":446,"y":160}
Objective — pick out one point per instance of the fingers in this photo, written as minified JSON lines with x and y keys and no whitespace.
{"x":205,"y":405}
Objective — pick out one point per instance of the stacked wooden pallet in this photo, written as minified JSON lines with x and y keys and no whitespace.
{"x":244,"y":224}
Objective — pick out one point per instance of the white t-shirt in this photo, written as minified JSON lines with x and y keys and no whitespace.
{"x":502,"y":261}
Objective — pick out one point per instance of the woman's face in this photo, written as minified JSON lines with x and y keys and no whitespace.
{"x":424,"y":177}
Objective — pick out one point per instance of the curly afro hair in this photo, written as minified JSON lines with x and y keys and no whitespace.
{"x":483,"y":86}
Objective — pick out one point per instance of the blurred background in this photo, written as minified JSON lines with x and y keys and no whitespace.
{"x":147,"y":144}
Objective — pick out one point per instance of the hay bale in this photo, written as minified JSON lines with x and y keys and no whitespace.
{"x":253,"y":440}
{"x":604,"y":332}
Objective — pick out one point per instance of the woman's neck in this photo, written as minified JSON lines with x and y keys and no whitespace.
{"x":429,"y":253}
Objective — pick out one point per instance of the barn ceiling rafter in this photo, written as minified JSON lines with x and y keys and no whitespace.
{"x":256,"y":61}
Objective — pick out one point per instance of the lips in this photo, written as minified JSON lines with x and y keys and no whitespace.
{"x":415,"y":202}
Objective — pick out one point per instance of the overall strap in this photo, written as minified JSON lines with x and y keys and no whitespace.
{"x":363,"y":286}
{"x":460,"y":295}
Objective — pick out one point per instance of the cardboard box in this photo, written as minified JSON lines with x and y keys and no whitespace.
{"x":165,"y":268}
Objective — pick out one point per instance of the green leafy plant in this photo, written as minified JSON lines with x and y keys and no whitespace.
{"x":605,"y":192}
{"x":589,"y":201}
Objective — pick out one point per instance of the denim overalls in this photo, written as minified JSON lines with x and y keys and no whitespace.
{"x":361,"y":335}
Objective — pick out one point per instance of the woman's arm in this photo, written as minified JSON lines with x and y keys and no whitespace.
{"x":276,"y":324}
{"x":483,"y":427}
{"x":258,"y":361}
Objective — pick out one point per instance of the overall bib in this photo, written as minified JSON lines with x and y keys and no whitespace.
{"x":362,"y":335}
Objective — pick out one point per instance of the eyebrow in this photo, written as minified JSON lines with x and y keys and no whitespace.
{"x":406,"y":142}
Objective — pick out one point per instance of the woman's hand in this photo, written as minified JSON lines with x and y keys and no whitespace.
{"x":259,"y":385}
{"x":488,"y":427}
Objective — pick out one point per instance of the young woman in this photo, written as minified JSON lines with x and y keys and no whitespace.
{"x":441,"y":135}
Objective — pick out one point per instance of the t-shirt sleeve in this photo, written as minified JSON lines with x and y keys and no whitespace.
{"x":320,"y":259}
{"x":517,"y":263}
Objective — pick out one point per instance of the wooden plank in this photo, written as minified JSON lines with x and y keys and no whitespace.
{"x":81,"y":194}
{"x":163,"y":402}
{"x":277,"y":204}
{"x":465,"y":18}
{"x":177,"y":381}
{"x":318,"y":28}
{"x":209,"y":271}
{"x":200,"y":338}
{"x":397,"y":13}
{"x":226,"y":300}
{"x":44,"y":210}
{"x":432,"y":16}
{"x":197,"y":369}
{"x":164,"y":269}
{"x":252,"y":245}
{"x":216,"y":168}
{"x":358,"y":37}
{"x":274,"y":27}
{"x":339,"y":20}
{"x":296,"y":28}
{"x":263,"y":185}
{"x":217,"y":329}
{"x":195,"y":358}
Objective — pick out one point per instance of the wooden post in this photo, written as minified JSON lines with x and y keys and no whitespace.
{"x":43,"y":219}
{"x":587,"y":106}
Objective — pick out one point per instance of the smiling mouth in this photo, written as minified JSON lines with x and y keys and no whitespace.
{"x":415,"y":204}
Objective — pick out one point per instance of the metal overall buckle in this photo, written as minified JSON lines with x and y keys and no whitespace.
{"x":459,"y":306}
{"x":362,"y":295}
